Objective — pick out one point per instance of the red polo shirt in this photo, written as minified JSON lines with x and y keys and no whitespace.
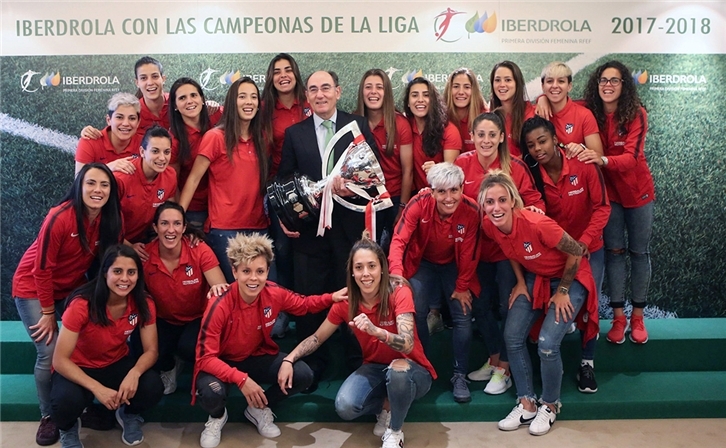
{"x":139,"y":198}
{"x":147,"y":119}
{"x":101,"y":149}
{"x":513,"y":140}
{"x":375,"y":351}
{"x":573,"y":123}
{"x":283,"y":118}
{"x":391,"y":165}
{"x":451,"y":140}
{"x":180,"y":295}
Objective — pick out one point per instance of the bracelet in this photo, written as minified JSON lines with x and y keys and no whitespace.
{"x":402,"y":205}
{"x":48,"y":313}
{"x":388,"y":335}
{"x":564,"y":290}
{"x":287,"y":360}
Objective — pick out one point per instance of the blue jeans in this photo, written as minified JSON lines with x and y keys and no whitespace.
{"x":217,"y":240}
{"x":520,"y":320}
{"x":197,"y":219}
{"x":638,"y":222}
{"x":363,"y":392}
{"x":433,"y":281}
{"x":497,"y":280}
{"x":30,"y":313}
{"x":597,"y":265}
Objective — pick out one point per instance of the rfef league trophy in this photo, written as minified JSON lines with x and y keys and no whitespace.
{"x":299,"y":199}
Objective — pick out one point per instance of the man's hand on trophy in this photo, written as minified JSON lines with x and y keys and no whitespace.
{"x":339,"y":187}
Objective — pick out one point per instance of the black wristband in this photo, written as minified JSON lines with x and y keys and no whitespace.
{"x":287,"y":360}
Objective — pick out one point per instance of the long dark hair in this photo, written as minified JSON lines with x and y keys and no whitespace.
{"x":530,"y":125}
{"x":110,"y":230}
{"x":176,"y":121}
{"x":476,"y":102}
{"x":270,"y":94}
{"x":171,"y":205}
{"x":436,"y":120}
{"x":388,"y":107}
{"x":385,"y":288}
{"x":503,"y":154}
{"x":519,"y":101}
{"x":628,"y":104}
{"x":96,"y":292}
{"x":230,"y":124}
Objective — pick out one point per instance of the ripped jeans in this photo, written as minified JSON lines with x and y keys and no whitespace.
{"x":363,"y":392}
{"x":520,"y":319}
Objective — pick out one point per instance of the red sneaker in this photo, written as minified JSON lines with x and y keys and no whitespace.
{"x":616,"y":335}
{"x":638,"y":333}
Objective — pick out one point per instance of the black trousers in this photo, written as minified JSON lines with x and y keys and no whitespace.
{"x":68,"y":399}
{"x":176,"y":339}
{"x":212,"y":392}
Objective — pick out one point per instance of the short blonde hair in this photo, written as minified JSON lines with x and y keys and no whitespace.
{"x":244,"y":248}
{"x":123,"y":99}
{"x":499,"y":177}
{"x":445,"y":175}
{"x":557,"y":69}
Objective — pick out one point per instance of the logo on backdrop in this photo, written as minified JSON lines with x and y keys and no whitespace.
{"x":226,"y":79}
{"x":26,"y":79}
{"x":89,"y":83}
{"x":640,"y":77}
{"x":229,"y":78}
{"x":442,"y":23}
{"x":671,"y":82}
{"x":205,"y":77}
{"x":450,"y":25}
{"x":482,"y":24}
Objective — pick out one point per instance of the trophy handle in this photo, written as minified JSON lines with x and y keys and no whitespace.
{"x":328,"y":153}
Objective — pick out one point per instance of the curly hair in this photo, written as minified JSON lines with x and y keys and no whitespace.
{"x":436,"y":120}
{"x":628,"y":103}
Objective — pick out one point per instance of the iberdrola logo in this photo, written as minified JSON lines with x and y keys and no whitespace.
{"x":640,"y":77}
{"x":410,"y":76}
{"x":50,"y":79}
{"x":482,"y":24}
{"x":229,"y":78}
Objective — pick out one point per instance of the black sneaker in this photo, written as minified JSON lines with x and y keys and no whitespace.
{"x":97,"y":417}
{"x":48,"y":433}
{"x":586,"y":380}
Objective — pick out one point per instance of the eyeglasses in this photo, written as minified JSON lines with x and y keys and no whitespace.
{"x":613,"y":81}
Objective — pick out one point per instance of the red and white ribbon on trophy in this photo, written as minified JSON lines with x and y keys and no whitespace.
{"x":358,"y":179}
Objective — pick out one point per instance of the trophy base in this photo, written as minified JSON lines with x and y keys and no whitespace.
{"x":290,"y":203}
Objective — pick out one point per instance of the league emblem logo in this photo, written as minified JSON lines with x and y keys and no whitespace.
{"x":573,"y":180}
{"x":133,"y":319}
{"x":267,"y":312}
{"x":189,"y":271}
{"x":528,"y":246}
{"x":160,"y":194}
{"x":569,"y":127}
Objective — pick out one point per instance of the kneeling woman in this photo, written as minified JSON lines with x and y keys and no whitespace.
{"x":395,"y":370}
{"x":91,"y":356}
{"x":557,"y":285}
{"x":235,"y":346}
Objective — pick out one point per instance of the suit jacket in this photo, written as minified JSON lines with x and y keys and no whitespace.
{"x":300,"y":154}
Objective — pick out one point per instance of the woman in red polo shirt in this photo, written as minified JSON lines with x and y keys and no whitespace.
{"x":435,"y":139}
{"x":83,"y":224}
{"x":623,"y":123}
{"x":464,"y":102}
{"x":178,"y":276}
{"x":118,"y":144}
{"x":237,"y":160}
{"x":395,"y":371}
{"x":189,"y":120}
{"x":509,"y":93}
{"x":494,"y":271}
{"x":393,"y":136}
{"x":555,"y":288}
{"x":92,"y":357}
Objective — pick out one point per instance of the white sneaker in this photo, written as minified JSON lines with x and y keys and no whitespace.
{"x":392,"y":439}
{"x":435,"y":323}
{"x":484,"y":373}
{"x":169,"y":377}
{"x":382,"y":421}
{"x":212,"y":433}
{"x":518,"y":417}
{"x":499,"y":383}
{"x":543,"y":422}
{"x":264,"y":420}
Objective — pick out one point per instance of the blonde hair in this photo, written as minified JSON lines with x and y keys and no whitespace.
{"x":244,"y":248}
{"x":557,"y":69}
{"x":476,"y":103}
{"x":499,"y":177}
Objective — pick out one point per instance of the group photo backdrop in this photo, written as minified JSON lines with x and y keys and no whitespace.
{"x":60,"y":62}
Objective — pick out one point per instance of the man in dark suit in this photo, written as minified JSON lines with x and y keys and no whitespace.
{"x":320,"y":261}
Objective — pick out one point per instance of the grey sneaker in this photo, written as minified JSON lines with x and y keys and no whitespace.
{"x":72,"y":437}
{"x":383,"y":420}
{"x":461,"y":389}
{"x":131,"y":433}
{"x":169,"y":377}
{"x":435,"y":323}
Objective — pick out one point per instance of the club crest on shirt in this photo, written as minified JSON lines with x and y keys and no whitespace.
{"x":461,"y":229}
{"x":160,"y":194}
{"x":133,"y":319}
{"x":189,"y":270}
{"x":267,"y":312}
{"x":528,"y":246}
{"x":569,"y":127}
{"x":307,"y":111}
{"x":573,"y":180}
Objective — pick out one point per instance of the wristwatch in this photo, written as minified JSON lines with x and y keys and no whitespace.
{"x":563,"y":290}
{"x":604,"y":160}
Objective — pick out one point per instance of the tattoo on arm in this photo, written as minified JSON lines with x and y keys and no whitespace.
{"x":570,"y":272}
{"x":309,"y":345}
{"x":569,"y":246}
{"x":403,"y":341}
